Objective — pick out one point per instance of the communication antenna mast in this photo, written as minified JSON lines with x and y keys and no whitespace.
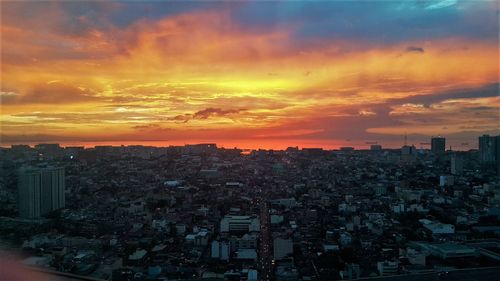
{"x":406,"y":139}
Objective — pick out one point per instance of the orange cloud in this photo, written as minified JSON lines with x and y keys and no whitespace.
{"x":204,"y":67}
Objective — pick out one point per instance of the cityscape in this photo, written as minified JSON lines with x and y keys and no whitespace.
{"x":249,"y":140}
{"x":141,"y":213}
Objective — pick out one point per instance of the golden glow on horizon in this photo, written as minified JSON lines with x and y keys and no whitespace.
{"x":198,"y":75}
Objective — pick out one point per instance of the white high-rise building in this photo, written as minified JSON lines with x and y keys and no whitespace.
{"x":41,"y":190}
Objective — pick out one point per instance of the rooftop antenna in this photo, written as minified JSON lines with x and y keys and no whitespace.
{"x":406,"y":139}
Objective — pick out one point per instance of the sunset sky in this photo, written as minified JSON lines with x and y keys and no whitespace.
{"x":250,"y":74}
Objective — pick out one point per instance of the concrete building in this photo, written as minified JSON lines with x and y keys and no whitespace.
{"x":225,"y":250}
{"x":252,"y":275}
{"x":386,"y":268}
{"x":438,"y":145}
{"x":282,"y":247}
{"x":408,"y":153}
{"x":239,"y":224}
{"x":446,"y":180}
{"x":380,"y":189}
{"x":285,"y":202}
{"x":220,"y":250}
{"x":437,"y":228}
{"x":447,"y":250}
{"x":247,"y":241}
{"x":457,"y":164}
{"x":49,"y":150}
{"x":41,"y":190}
{"x":487,"y":145}
{"x":215,"y":249}
{"x":200,"y":148}
{"x":352,"y":272}
{"x":246,"y":254}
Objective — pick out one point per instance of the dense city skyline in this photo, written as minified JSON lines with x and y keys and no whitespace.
{"x":272,"y":74}
{"x":249,"y":140}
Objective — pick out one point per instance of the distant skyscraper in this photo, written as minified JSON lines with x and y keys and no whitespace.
{"x":438,"y":145}
{"x":41,"y":190}
{"x":487,"y":147}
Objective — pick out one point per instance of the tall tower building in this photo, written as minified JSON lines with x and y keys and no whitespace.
{"x":438,"y":145}
{"x":487,"y":149}
{"x":41,"y":190}
{"x":457,"y":164}
{"x":29,"y":193}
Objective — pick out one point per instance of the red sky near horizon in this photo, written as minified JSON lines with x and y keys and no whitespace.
{"x":271,"y":73}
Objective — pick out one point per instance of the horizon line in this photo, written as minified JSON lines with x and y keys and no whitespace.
{"x":95,"y":144}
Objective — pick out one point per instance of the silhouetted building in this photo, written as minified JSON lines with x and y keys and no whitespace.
{"x":41,"y":190}
{"x":201,"y":148}
{"x":408,"y":153}
{"x":487,"y":147}
{"x":313,"y":151}
{"x":438,"y":145}
{"x":49,"y":150}
{"x":457,"y":164}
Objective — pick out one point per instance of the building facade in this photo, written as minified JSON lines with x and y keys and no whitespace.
{"x":438,"y":145}
{"x":41,"y":190}
{"x":489,"y":151}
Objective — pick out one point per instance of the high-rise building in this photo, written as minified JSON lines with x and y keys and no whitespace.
{"x":29,"y":193}
{"x":41,"y":190}
{"x":457,"y":164}
{"x":487,"y":147}
{"x":438,"y":145}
